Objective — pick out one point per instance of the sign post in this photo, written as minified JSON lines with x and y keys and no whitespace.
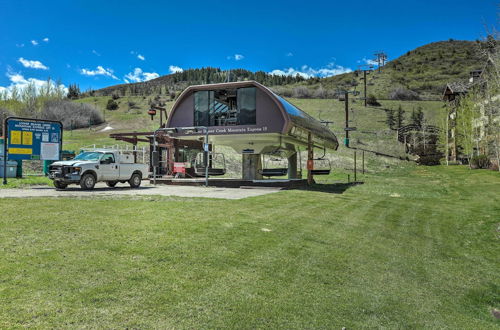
{"x":31,"y":139}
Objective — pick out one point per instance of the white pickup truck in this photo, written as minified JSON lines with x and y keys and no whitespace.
{"x":92,"y":166}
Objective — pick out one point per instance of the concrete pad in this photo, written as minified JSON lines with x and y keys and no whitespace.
{"x":146,"y":189}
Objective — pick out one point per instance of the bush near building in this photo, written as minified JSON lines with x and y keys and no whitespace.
{"x":112,"y":105}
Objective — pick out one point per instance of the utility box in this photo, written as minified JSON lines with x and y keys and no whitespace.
{"x":18,"y":171}
{"x":127,"y":158}
{"x":11,"y":168}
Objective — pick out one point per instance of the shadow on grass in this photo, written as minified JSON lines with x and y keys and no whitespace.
{"x":96,"y":189}
{"x":332,"y":188}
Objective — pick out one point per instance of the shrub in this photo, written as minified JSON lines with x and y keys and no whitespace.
{"x":112,"y":105}
{"x":320,"y":93}
{"x":372,"y":100}
{"x":115,"y":95}
{"x":429,"y":160}
{"x":133,"y":105}
{"x":282,"y":91}
{"x":301,"y":92}
{"x":403,"y":94}
{"x":75,"y":115}
{"x":480,"y":161}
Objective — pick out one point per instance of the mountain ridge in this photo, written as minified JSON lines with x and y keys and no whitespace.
{"x":424,"y":70}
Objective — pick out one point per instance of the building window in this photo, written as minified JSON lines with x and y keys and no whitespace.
{"x":225,"y":107}
{"x":246,"y":106}
{"x":201,"y":99}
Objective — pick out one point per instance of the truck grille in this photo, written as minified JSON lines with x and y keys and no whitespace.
{"x":58,"y":171}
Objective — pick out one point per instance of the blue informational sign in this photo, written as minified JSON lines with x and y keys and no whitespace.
{"x":33,"y":139}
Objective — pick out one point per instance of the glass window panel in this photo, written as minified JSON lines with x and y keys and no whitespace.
{"x":201,"y":99}
{"x":109,"y":158}
{"x":247,"y":106}
{"x":225,"y":107}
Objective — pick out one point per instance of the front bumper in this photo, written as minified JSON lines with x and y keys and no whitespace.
{"x":63,"y":174}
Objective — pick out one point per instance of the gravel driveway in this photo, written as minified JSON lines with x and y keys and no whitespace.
{"x":101,"y":190}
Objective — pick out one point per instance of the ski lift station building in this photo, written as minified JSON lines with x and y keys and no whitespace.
{"x":252,"y":120}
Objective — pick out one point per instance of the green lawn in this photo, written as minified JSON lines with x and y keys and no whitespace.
{"x":25,"y":181}
{"x":411,"y":248}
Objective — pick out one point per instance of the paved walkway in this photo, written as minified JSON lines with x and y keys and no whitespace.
{"x":101,"y":190}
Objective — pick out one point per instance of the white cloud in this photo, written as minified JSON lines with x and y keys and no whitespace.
{"x":19,"y":82}
{"x":150,"y":75}
{"x":32,"y":64}
{"x":46,"y":39}
{"x":369,"y":62}
{"x":306,"y":71}
{"x":289,"y":54}
{"x":95,"y":52}
{"x":100,"y":71}
{"x":236,"y":57}
{"x":16,"y":78}
{"x":139,"y":56}
{"x":34,"y":42}
{"x":288,"y":72}
{"x":175,"y":69}
{"x":138,"y":75}
{"x":19,"y":45}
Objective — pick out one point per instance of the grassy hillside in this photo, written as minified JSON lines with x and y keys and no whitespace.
{"x":425,"y":70}
{"x":400,"y":251}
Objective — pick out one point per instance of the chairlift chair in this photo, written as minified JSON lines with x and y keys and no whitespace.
{"x":279,"y":170}
{"x":325,"y":166}
{"x":217,"y":158}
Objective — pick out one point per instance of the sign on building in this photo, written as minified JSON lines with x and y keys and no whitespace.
{"x":33,"y":139}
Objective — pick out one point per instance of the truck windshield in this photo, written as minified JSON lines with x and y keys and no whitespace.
{"x":89,"y":156}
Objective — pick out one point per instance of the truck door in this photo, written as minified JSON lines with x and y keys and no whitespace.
{"x":108,"y":167}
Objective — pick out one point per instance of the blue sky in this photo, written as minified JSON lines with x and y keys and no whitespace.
{"x":102,"y":43}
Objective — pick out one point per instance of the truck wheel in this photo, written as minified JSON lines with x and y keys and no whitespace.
{"x":60,"y":185}
{"x":111,"y":184}
{"x":135,"y":180}
{"x":87,"y":182}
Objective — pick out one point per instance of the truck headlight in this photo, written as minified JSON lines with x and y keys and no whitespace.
{"x":76,"y":170}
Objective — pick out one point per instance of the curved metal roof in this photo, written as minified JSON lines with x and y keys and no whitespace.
{"x":306,"y":121}
{"x":292,"y":114}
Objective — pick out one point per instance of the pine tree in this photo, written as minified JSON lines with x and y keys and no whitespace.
{"x":390,"y":121}
{"x":417,"y":117}
{"x":73,"y":91}
{"x":400,"y":117}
